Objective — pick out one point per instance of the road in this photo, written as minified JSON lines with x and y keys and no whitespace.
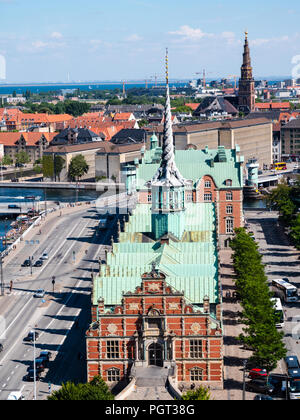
{"x":74,"y":247}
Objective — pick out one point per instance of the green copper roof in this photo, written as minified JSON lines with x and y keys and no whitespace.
{"x":220,"y":164}
{"x":190,"y":264}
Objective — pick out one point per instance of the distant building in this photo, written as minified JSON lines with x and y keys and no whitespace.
{"x":216,"y":107}
{"x":290,"y":139}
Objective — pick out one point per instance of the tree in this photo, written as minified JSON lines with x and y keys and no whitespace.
{"x":258,"y":315}
{"x":59,"y":164}
{"x":7,"y":160}
{"x":202,"y":393}
{"x":22,"y":157}
{"x":92,"y":391}
{"x":78,"y":167}
{"x":48,"y":166}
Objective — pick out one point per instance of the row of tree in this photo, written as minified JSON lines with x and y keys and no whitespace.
{"x":258,"y":314}
{"x":286,"y":200}
{"x":75,"y":108}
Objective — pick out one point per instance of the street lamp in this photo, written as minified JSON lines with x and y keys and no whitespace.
{"x":244,"y":379}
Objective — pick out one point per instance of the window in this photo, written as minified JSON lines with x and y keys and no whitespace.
{"x":208,"y":197}
{"x":229,"y":209}
{"x":196,"y":374}
{"x":207,"y":184}
{"x":149,"y":197}
{"x":195,"y":349}
{"x":154,"y":323}
{"x":112,"y":349}
{"x":189,"y":197}
{"x":113,"y":375}
{"x":229,"y":183}
{"x":229,"y":196}
{"x":229,"y":225}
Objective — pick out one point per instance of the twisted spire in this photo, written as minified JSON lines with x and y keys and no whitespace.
{"x":168,"y":174}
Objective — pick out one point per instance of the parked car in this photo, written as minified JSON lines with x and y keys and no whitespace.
{"x":15,"y":180}
{"x":262,"y":397}
{"x":1,"y":348}
{"x":14,"y":206}
{"x":39,"y":263}
{"x":3,"y":168}
{"x":31,"y":335}
{"x":44,"y":256}
{"x":292,"y":362}
{"x":26,"y":263}
{"x":40,"y":364}
{"x":45,"y":355}
{"x":40,"y":293}
{"x":261,"y":386}
{"x":257,"y":373}
{"x":294,"y":373}
{"x":19,"y":165}
{"x":30,"y":375}
{"x":16,"y":396}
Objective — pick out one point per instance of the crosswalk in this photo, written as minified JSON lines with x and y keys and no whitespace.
{"x":19,"y":293}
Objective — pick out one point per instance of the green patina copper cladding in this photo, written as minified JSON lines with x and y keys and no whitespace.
{"x":191,"y":265}
{"x":221,"y":164}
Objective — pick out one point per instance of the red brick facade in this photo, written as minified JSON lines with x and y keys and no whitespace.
{"x":155,"y":326}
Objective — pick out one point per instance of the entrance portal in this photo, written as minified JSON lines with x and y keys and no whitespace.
{"x":156,"y":355}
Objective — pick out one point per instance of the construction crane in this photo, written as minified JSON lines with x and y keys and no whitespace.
{"x":234,"y":77}
{"x":204,"y":73}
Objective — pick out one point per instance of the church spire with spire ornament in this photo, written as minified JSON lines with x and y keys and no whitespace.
{"x":246,"y":83}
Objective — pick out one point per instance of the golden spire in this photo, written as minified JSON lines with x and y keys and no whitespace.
{"x":246,"y":35}
{"x":167,"y":67}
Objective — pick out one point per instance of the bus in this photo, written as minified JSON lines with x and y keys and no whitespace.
{"x":278,"y":312}
{"x":285,"y":290}
{"x":279,"y":166}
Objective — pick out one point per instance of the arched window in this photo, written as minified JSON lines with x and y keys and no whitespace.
{"x":196,"y":374}
{"x":113,"y":375}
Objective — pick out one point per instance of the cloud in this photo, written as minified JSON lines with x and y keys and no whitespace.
{"x":56,"y":35}
{"x":188,"y":33}
{"x":263,"y":41}
{"x":133,"y":38}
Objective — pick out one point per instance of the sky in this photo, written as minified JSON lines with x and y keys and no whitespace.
{"x":61,"y":40}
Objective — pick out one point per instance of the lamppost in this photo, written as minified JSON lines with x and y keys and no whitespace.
{"x":244,"y":379}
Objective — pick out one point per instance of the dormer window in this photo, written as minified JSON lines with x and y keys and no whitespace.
{"x":228,"y":182}
{"x":207,"y":184}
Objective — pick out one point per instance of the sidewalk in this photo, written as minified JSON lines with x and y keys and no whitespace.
{"x":234,"y":354}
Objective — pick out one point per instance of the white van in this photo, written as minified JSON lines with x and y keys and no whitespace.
{"x":16,"y":396}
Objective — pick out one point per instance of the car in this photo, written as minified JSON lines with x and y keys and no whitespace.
{"x":3,"y":168}
{"x":40,"y":293}
{"x":19,"y":165}
{"x":260,"y":385}
{"x":40,"y":364}
{"x":292,"y":362}
{"x":45,"y":355}
{"x":31,"y":335}
{"x":294,"y":373}
{"x":1,"y":348}
{"x":39,"y":263}
{"x":26,"y":263}
{"x":44,"y":256}
{"x":30,"y":375}
{"x":15,"y":180}
{"x":14,"y":206}
{"x":262,"y":397}
{"x":16,"y":396}
{"x":257,"y":373}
